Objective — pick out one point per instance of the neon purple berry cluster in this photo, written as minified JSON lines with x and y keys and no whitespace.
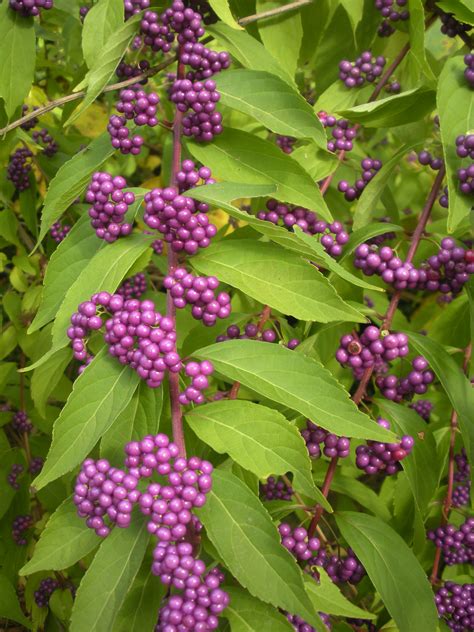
{"x":109,"y":205}
{"x":374,"y":457}
{"x":30,"y":8}
{"x":370,"y":167}
{"x":320,"y":441}
{"x":366,"y":67}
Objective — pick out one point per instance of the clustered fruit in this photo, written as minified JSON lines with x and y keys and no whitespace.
{"x":20,"y":526}
{"x":109,"y":205}
{"x":59,"y":231}
{"x":365,"y":68}
{"x":341,"y":131}
{"x":455,"y":603}
{"x":456,"y":544}
{"x":332,"y":236}
{"x":469,"y":71}
{"x":462,"y":476}
{"x":19,"y":167}
{"x":187,"y":289}
{"x":370,"y":167}
{"x":21,"y":422}
{"x":251,"y":331}
{"x":276,"y":489}
{"x":199,"y":373}
{"x":30,"y":8}
{"x":320,"y":441}
{"x":423,"y":407}
{"x":285,"y":143}
{"x":374,"y":457}
{"x":391,"y":11}
{"x":133,"y":287}
{"x":137,"y":105}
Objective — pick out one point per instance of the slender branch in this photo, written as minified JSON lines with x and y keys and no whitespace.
{"x":176,"y":411}
{"x":448,"y":501}
{"x":387,"y":321}
{"x":274,"y":12}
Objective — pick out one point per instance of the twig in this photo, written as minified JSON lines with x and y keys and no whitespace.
{"x":273,"y":12}
{"x":447,"y":504}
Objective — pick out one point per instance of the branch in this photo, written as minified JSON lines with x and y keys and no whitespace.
{"x":273,"y":12}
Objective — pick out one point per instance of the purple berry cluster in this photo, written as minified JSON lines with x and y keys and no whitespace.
{"x":198,"y":608}
{"x":132,"y":7}
{"x":20,"y":525}
{"x":45,"y":589}
{"x":300,"y":625}
{"x":462,"y":476}
{"x":190,"y":176}
{"x":341,"y":131}
{"x":447,"y":271}
{"x":364,"y":68}
{"x":370,"y":167}
{"x":285,"y":143}
{"x":380,"y":239}
{"x":466,"y":179}
{"x":416,"y":382}
{"x":12,"y":479}
{"x":133,"y":287}
{"x":136,"y":334}
{"x":423,"y":407}
{"x":276,"y":489}
{"x":393,"y":10}
{"x":155,"y":34}
{"x":109,"y":204}
{"x":374,"y":457}
{"x":157,"y":246}
{"x":251,"y":332}
{"x":332,"y":236}
{"x":469,"y":71}
{"x":187,"y":289}
{"x":302,"y":547}
{"x":319,"y":441}
{"x":32,"y":122}
{"x":456,"y":544}
{"x":105,"y":493}
{"x":393,"y":87}
{"x":29,"y":8}
{"x":21,"y":422}
{"x":204,"y":62}
{"x":126,"y":71}
{"x":425,"y":158}
{"x":371,"y":346}
{"x":59,"y":231}
{"x":182,"y":221}
{"x":137,"y":105}
{"x":199,"y":373}
{"x":343,"y":568}
{"x":455,"y":603}
{"x":19,"y":167}
{"x":36,"y":465}
{"x":44,"y":138}
{"x":452,"y":27}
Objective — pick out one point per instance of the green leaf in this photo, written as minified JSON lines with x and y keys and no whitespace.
{"x":457,"y":386}
{"x":416,"y":27}
{"x":222,"y":10}
{"x":249,"y":544}
{"x":367,"y":232}
{"x":271,"y":101}
{"x":9,"y":605}
{"x":140,"y":418}
{"x":248,"y":614}
{"x":71,"y":180}
{"x":221,"y":193}
{"x":105,"y":64}
{"x":456,"y":116}
{"x":366,"y":205}
{"x":138,"y":612}
{"x":64,"y":541}
{"x":109,"y":577}
{"x":97,"y":276}
{"x":98,"y":396}
{"x":65,"y":265}
{"x":281,"y":35}
{"x":326,"y":597}
{"x":248,"y":51}
{"x":393,"y":569}
{"x":241,"y":157}
{"x":421,"y":465}
{"x":9,"y":226}
{"x":18,"y":55}
{"x":46,"y":377}
{"x":102,"y":20}
{"x":459,"y":9}
{"x":260,"y":439}
{"x":276,"y":278}
{"x":296,"y":381}
{"x":398,"y":109}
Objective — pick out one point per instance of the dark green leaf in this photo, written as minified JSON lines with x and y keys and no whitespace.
{"x":9,"y":605}
{"x":102,"y":20}
{"x":139,"y":610}
{"x":296,"y":381}
{"x":99,"y":395}
{"x":248,"y":614}
{"x":393,"y":569}
{"x":277,"y":278}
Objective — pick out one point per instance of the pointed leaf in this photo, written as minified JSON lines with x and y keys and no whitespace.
{"x":248,"y":614}
{"x":276,"y":278}
{"x":249,"y":544}
{"x":101,"y":21}
{"x":109,"y":577}
{"x":260,"y":439}
{"x":139,"y":610}
{"x":64,"y":541}
{"x":393,"y":569}
{"x":296,"y":381}
{"x":327,"y":597}
{"x":238,"y":156}
{"x":281,"y":34}
{"x":99,"y":395}
{"x":222,"y":10}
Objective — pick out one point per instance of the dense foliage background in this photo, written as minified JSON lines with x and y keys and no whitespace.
{"x":318,"y":174}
